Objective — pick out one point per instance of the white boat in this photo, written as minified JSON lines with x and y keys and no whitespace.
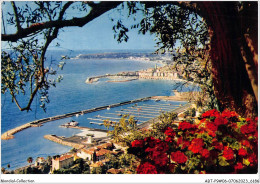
{"x":73,"y":123}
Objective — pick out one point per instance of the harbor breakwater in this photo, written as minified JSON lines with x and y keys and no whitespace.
{"x":10,"y":133}
{"x":60,"y":140}
{"x":151,"y":73}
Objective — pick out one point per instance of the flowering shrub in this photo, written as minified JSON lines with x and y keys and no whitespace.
{"x":218,"y":143}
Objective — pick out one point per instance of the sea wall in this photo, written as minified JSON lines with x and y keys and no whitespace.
{"x":60,"y":140}
{"x":9,"y":134}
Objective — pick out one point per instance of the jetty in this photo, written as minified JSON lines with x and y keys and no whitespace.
{"x":129,"y":76}
{"x":62,"y":141}
{"x":177,"y":110}
{"x":10,"y":133}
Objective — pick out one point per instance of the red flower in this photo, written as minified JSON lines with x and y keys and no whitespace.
{"x":217,"y":145}
{"x":252,"y":159}
{"x":205,"y":153}
{"x":248,"y":128}
{"x":242,"y":152}
{"x":152,"y":142}
{"x":179,"y":157}
{"x":182,"y":143}
{"x":179,"y":141}
{"x":211,"y":126}
{"x":220,"y":121}
{"x":185,"y":126}
{"x":212,"y":134}
{"x":169,"y":139}
{"x":185,"y":144}
{"x":196,"y":145}
{"x":228,"y":153}
{"x":138,"y":143}
{"x":163,"y":147}
{"x":238,"y":166}
{"x":158,"y":153}
{"x":210,"y":113}
{"x":229,"y":114}
{"x":169,"y":132}
{"x":246,"y":143}
{"x":146,"y":168}
{"x":234,"y":125}
{"x":248,"y":119}
{"x":160,"y":159}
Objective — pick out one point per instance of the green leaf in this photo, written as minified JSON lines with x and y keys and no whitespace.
{"x":235,"y":145}
{"x":222,"y":161}
{"x":246,"y":162}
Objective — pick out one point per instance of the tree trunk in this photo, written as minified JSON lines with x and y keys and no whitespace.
{"x":233,"y":52}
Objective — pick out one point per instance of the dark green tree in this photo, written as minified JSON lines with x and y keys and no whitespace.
{"x":29,"y":160}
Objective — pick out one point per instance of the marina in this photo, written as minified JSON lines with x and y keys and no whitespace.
{"x":141,"y":111}
{"x":10,"y":133}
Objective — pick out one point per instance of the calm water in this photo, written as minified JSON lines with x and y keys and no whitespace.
{"x":72,"y":94}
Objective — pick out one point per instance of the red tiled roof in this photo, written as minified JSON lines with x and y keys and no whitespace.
{"x":102,"y":152}
{"x":64,"y":157}
{"x":106,"y":145}
{"x":88,"y":151}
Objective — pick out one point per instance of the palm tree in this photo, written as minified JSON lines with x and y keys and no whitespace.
{"x":29,"y":160}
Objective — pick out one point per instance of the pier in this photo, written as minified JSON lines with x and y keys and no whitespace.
{"x":10,"y":133}
{"x":129,"y":76}
{"x":177,"y":110}
{"x":62,"y":141}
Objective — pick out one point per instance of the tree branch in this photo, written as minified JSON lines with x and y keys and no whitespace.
{"x":96,"y":11}
{"x":16,"y":17}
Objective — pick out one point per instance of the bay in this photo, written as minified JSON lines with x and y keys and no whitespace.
{"x":71,"y":95}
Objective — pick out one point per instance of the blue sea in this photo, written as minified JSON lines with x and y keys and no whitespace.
{"x":71,"y":95}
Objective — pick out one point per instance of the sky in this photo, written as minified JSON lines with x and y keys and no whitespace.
{"x":96,"y":35}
